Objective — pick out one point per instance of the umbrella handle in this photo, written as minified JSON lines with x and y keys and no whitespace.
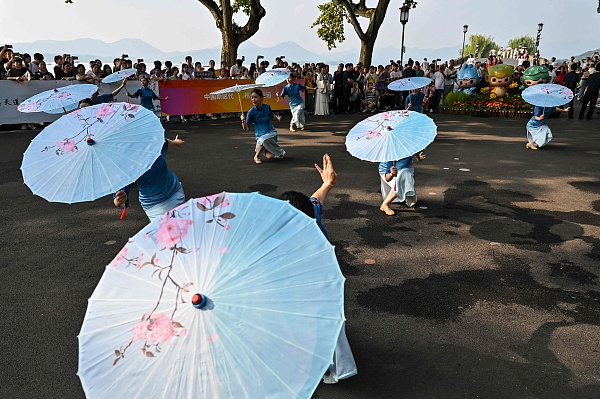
{"x":240,"y":99}
{"x":123,"y":213}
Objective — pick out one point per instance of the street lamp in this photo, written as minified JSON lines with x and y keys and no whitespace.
{"x":539,"y":36}
{"x":465,"y":29}
{"x":403,"y":20}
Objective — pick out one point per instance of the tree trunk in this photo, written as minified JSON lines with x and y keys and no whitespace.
{"x":233,"y":35}
{"x":366,"y":51}
{"x":375,"y":16}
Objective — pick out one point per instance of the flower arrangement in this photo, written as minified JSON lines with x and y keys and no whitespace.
{"x":511,"y":105}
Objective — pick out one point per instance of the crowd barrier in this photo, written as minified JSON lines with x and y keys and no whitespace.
{"x":186,"y":97}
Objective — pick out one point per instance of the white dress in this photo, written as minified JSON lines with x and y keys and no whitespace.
{"x":322,"y":93}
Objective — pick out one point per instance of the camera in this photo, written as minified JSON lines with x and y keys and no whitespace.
{"x":282,"y":56}
{"x":74,"y":57}
{"x":243,"y":58}
{"x":258,"y":57}
{"x":124,"y":55}
{"x":140,"y":60}
{"x":439,"y":59}
{"x":7,"y":46}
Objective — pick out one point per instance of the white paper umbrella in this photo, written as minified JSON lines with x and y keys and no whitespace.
{"x":228,"y":296}
{"x":547,"y":95}
{"x":58,"y":99}
{"x":238,"y":89}
{"x":92,"y":152}
{"x":273,"y":77}
{"x":406,"y":84}
{"x":390,"y":136}
{"x":119,"y":75}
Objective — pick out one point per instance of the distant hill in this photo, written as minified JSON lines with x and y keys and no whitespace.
{"x":89,"y":49}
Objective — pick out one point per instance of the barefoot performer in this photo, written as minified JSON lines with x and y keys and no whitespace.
{"x":398,"y":182}
{"x":266,"y":136}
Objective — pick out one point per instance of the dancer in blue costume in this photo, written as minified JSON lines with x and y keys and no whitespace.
{"x":343,"y":364}
{"x":398,"y":182}
{"x":538,"y":132}
{"x":159,"y":189}
{"x":266,"y":136}
{"x":414,"y":101}
{"x":296,"y":103}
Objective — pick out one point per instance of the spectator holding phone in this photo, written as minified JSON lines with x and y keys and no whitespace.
{"x":42,"y":72}
{"x":18,"y":72}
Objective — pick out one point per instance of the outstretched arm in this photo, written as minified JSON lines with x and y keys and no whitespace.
{"x":118,"y":89}
{"x":328,"y":176}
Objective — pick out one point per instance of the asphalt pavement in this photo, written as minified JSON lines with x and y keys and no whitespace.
{"x":488,"y":288}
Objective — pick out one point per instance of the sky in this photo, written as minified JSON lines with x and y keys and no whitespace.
{"x":182,"y":25}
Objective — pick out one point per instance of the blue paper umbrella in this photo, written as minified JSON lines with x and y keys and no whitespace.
{"x":227,"y":296}
{"x":58,"y":100}
{"x":237,"y":89}
{"x":92,"y":152}
{"x":390,"y":136}
{"x":119,"y":75}
{"x":407,"y":84}
{"x":273,"y":77}
{"x":547,"y":95}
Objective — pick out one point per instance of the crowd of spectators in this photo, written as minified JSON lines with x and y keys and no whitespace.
{"x":350,"y":88}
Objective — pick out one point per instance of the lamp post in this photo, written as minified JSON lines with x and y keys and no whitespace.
{"x":403,"y":20}
{"x":465,"y":29}
{"x":539,"y":36}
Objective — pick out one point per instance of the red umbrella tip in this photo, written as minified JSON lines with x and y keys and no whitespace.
{"x":199,"y":300}
{"x":90,"y":141}
{"x":55,"y":90}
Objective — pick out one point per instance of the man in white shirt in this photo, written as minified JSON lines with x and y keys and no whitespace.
{"x":438,"y":78}
{"x":235,"y":72}
{"x":425,"y":64}
{"x":450,"y":74}
{"x":396,"y":74}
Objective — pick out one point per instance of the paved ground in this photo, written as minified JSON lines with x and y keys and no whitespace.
{"x":488,"y":289}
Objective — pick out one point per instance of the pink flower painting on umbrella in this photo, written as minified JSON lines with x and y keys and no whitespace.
{"x":104,"y":111}
{"x":171,"y":231}
{"x":66,"y":145}
{"x":155,"y":328}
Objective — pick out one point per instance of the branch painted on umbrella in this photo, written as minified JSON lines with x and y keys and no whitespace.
{"x":215,"y":203}
{"x":69,"y":144}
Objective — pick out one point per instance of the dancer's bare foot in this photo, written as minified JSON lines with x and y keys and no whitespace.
{"x":531,"y":146}
{"x":292,"y":129}
{"x":257,"y":160}
{"x":387,"y":210}
{"x":302,"y":128}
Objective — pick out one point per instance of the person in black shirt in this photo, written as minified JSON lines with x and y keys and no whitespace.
{"x":591,"y":93}
{"x":570,"y":80}
{"x":58,"y":60}
{"x":42,"y":73}
{"x":18,"y":72}
{"x":67,"y":72}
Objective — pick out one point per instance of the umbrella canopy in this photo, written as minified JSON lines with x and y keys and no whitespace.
{"x":119,"y":75}
{"x":237,"y":88}
{"x":227,"y":296}
{"x":92,"y":152}
{"x":547,"y":95}
{"x":273,"y":77}
{"x":390,"y":136}
{"x":58,"y":99}
{"x":406,"y":84}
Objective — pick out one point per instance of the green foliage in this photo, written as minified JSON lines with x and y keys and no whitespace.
{"x":461,"y":97}
{"x":525,"y":41}
{"x":331,"y":23}
{"x":332,"y":16}
{"x":241,"y":5}
{"x":486,"y":43}
{"x":450,"y":99}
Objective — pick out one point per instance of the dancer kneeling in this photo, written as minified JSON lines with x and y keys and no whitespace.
{"x":538,"y":132}
{"x":266,"y":136}
{"x":343,"y":364}
{"x":398,"y":182}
